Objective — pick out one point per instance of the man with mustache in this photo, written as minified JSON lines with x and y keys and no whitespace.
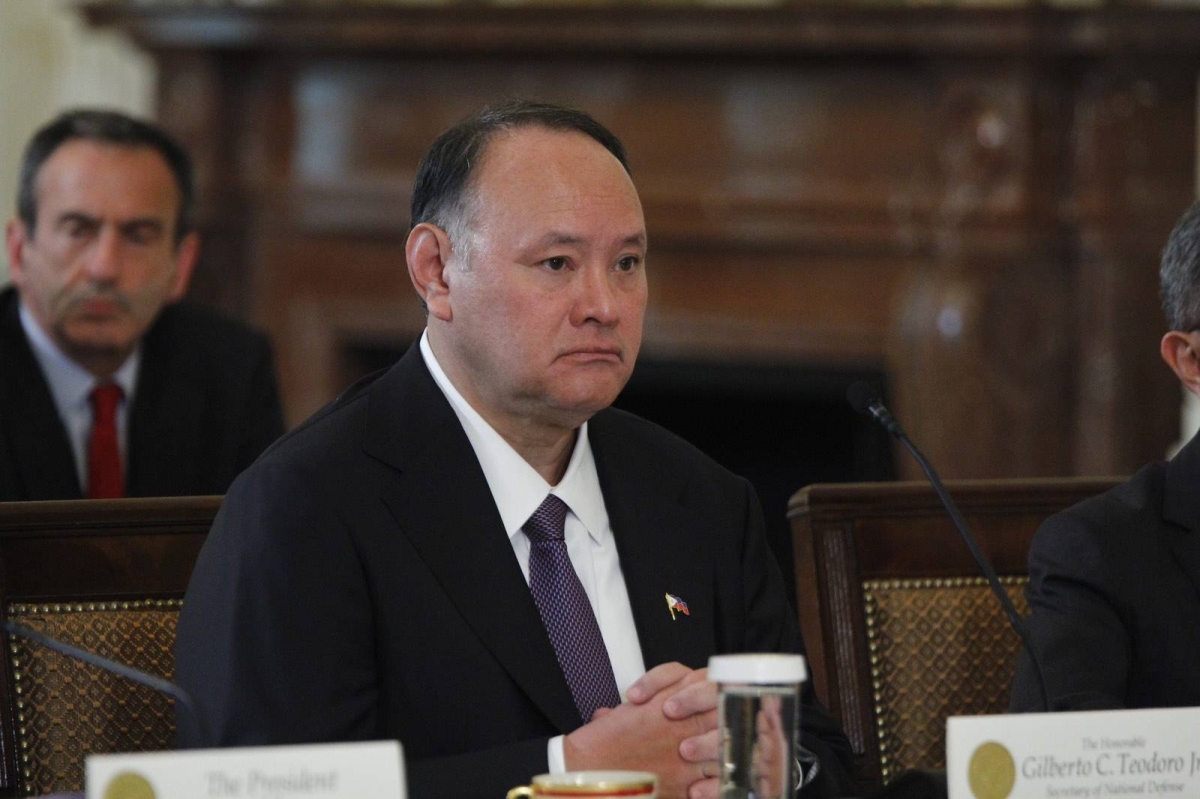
{"x":108,"y":388}
{"x":471,"y":552}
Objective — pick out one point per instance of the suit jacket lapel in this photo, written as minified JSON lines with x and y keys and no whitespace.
{"x":38,"y":443}
{"x":1181,"y":506}
{"x":663,"y":545}
{"x":442,"y":503}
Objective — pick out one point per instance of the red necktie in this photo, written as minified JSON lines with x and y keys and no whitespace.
{"x":105,"y":480}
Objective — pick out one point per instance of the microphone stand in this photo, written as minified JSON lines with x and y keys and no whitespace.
{"x":864,"y":400}
{"x":113,"y":667}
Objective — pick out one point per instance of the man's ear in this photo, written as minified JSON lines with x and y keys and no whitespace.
{"x":428,"y":255}
{"x":187,"y":252}
{"x":16,"y":236}
{"x":1179,"y":350}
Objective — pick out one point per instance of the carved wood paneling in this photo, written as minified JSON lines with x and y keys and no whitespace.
{"x":971,"y":200}
{"x":1131,"y":186}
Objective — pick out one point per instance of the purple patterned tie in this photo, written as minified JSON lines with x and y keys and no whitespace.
{"x":566,"y":612}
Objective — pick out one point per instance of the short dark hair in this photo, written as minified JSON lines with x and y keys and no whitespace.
{"x":444,"y":177}
{"x":108,"y":127}
{"x":1179,"y":274}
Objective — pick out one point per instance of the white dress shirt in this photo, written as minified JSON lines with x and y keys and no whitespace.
{"x":518,"y":490}
{"x":70,"y":384}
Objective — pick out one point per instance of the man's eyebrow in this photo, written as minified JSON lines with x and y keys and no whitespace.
{"x":635,"y":240}
{"x":77,"y":216}
{"x":558,"y":238}
{"x":149,"y":223}
{"x":145,"y":222}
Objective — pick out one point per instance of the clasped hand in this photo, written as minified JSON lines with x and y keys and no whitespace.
{"x":667,"y":726}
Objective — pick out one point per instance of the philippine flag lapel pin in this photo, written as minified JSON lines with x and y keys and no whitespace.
{"x":674,"y":603}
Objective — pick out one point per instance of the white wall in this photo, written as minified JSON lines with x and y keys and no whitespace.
{"x":49,"y":61}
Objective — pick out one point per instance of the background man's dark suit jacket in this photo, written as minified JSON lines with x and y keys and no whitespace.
{"x":1115,"y":595}
{"x":358,"y":584}
{"x":206,"y":405}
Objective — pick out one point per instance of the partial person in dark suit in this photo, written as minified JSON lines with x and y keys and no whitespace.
{"x":1114,"y":582}
{"x":381,"y":572}
{"x":100,"y":251}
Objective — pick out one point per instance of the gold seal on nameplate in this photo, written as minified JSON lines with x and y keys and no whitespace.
{"x":129,"y":785}
{"x":992,"y":772}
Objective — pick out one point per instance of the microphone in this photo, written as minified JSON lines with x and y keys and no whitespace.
{"x":113,"y":667}
{"x":865,"y":399}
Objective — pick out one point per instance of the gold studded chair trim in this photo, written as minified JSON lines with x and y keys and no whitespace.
{"x":66,"y":709}
{"x":935,"y":645}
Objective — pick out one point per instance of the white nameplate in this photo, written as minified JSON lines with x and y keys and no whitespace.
{"x":311,"y":771}
{"x":1110,"y":753}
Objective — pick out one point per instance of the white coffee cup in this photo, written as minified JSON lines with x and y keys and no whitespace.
{"x":590,"y":785}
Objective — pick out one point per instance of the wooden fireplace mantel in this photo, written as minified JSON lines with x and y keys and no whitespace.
{"x":658,"y":29}
{"x":972,"y":200}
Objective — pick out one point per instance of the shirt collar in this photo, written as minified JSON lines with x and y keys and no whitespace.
{"x":69,"y":382}
{"x":516,"y":487}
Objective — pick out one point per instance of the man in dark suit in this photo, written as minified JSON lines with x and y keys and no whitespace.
{"x":107,"y":387}
{"x":1115,"y":581}
{"x":472,"y":552}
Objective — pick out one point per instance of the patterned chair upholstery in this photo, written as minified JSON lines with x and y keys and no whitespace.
{"x":107,"y":576}
{"x":901,"y":631}
{"x":936,"y":648}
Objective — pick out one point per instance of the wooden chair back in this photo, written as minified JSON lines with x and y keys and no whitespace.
{"x":902,"y":630}
{"x":107,"y":576}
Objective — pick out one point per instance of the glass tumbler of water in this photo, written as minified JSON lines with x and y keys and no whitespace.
{"x":759,"y":722}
